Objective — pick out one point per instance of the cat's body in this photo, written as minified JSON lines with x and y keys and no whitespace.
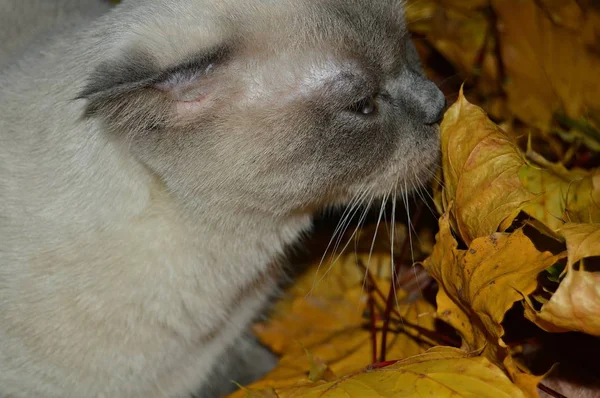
{"x":28,"y":23}
{"x":156,"y":161}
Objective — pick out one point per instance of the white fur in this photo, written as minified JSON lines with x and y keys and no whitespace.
{"x":130,"y":261}
{"x":108,"y":288}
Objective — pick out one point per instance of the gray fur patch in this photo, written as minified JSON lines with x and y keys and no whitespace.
{"x":111,"y":80}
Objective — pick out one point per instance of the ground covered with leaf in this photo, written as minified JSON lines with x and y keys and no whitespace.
{"x":491,"y":286}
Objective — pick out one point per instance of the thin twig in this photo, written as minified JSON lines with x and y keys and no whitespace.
{"x":371,"y":299}
{"x":442,"y":338}
{"x":550,"y":391}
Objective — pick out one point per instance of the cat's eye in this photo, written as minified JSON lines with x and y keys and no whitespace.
{"x":365,"y":106}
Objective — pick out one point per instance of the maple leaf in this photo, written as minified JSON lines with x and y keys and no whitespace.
{"x":324,"y":315}
{"x":576,"y":303}
{"x":541,"y":82}
{"x":480,"y":284}
{"x":478,"y":157}
{"x":440,"y":372}
{"x":561,"y":195}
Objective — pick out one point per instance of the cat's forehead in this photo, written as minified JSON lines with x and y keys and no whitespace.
{"x":371,"y":32}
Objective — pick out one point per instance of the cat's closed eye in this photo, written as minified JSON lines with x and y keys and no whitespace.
{"x":366,"y":106}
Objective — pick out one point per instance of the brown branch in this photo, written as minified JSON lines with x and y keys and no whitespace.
{"x":433,"y":335}
{"x":371,"y":303}
{"x":550,"y":391}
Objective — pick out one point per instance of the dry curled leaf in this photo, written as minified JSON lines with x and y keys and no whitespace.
{"x":481,"y":172}
{"x":550,"y":69}
{"x":478,"y":157}
{"x":575,"y":306}
{"x":480,"y":284}
{"x":561,"y":195}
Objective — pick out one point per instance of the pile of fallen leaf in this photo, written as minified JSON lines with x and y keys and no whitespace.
{"x":518,"y":231}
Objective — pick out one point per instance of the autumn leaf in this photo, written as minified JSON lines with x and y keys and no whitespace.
{"x":583,"y":240}
{"x":459,"y":35}
{"x":561,"y":195}
{"x":480,"y":284}
{"x":323,"y":330}
{"x":325,"y":316}
{"x":478,"y":157}
{"x":575,"y":306}
{"x":549,"y":66}
{"x":440,"y":372}
{"x":531,"y":60}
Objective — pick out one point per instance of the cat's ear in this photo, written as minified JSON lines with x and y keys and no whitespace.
{"x":134,"y":92}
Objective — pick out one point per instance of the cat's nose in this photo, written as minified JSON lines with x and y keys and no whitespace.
{"x":433,"y":105}
{"x":424,"y":99}
{"x":420,"y":97}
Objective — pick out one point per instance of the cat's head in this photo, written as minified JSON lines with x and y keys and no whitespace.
{"x":281,"y":106}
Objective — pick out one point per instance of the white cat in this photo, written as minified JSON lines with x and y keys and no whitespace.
{"x":156,"y":161}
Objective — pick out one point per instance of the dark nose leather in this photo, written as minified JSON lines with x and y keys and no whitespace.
{"x":438,"y":109}
{"x":423,"y":97}
{"x":432,"y":102}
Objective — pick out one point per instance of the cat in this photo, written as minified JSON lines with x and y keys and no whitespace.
{"x":157,"y":159}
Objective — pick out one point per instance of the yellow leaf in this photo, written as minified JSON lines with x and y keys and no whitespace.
{"x":478,"y":286}
{"x":561,"y":195}
{"x":490,"y":182}
{"x":583,"y":240}
{"x":331,"y":326}
{"x":575,"y":306}
{"x":549,"y":67}
{"x":566,"y":13}
{"x":440,"y":372}
{"x":459,"y":35}
{"x":480,"y":170}
{"x":321,"y":328}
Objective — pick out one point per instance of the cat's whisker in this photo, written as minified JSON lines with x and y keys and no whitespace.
{"x":356,"y":208}
{"x":341,"y":229}
{"x":359,"y":224}
{"x":412,"y":255}
{"x":338,"y":229}
{"x":418,"y":187}
{"x":381,"y":211}
{"x":393,"y":262}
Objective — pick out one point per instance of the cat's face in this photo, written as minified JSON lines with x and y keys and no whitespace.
{"x":282,"y":106}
